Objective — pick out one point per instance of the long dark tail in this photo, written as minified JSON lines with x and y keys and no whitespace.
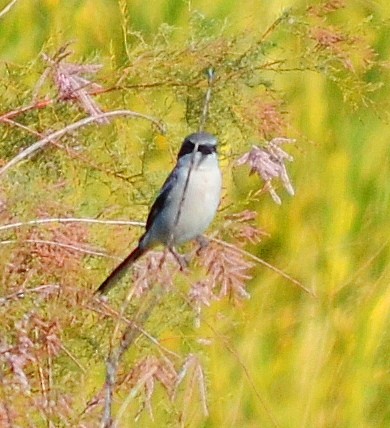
{"x":119,"y":271}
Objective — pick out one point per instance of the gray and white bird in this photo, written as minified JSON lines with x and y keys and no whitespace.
{"x":185,"y":205}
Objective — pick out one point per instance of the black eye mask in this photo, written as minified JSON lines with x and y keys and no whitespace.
{"x":188,"y":147}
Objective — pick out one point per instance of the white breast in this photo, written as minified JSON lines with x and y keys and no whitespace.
{"x":196,"y":210}
{"x":201,"y":201}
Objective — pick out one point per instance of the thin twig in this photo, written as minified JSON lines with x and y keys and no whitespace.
{"x":72,"y":127}
{"x":195,"y":150}
{"x":142,"y":381}
{"x":183,"y":196}
{"x":73,"y":358}
{"x":70,"y":220}
{"x":50,"y":384}
{"x":44,"y":390}
{"x":20,"y":125}
{"x":271,"y":28}
{"x":111,"y":312}
{"x":130,"y":334}
{"x":235,"y":353}
{"x":21,"y":293}
{"x":99,"y":91}
{"x":266,"y":33}
{"x":33,"y":106}
{"x":7,"y":8}
{"x":75,"y":154}
{"x":8,"y":421}
{"x":68,"y":150}
{"x":206,"y":105}
{"x":266,"y":264}
{"x":59,"y":244}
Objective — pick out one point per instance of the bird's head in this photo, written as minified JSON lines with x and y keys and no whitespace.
{"x":202,"y":142}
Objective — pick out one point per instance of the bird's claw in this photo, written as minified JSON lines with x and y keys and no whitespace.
{"x":183,"y":261}
{"x":203,"y":242}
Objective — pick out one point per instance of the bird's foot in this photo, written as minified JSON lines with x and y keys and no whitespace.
{"x":182,"y":260}
{"x":203,"y":242}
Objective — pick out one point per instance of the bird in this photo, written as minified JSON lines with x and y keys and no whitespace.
{"x":185,"y":206}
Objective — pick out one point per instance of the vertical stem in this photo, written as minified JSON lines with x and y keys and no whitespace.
{"x":210,"y":80}
{"x":206,"y":105}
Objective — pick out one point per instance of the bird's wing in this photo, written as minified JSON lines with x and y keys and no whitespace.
{"x":162,"y":198}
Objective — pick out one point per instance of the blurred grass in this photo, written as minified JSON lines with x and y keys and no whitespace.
{"x":308,"y":362}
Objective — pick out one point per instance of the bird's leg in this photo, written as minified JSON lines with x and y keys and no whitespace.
{"x":182,"y":260}
{"x":203,"y":242}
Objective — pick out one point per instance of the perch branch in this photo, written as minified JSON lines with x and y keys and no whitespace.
{"x":72,"y":127}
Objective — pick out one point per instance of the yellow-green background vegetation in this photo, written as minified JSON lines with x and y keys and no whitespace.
{"x":283,"y":357}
